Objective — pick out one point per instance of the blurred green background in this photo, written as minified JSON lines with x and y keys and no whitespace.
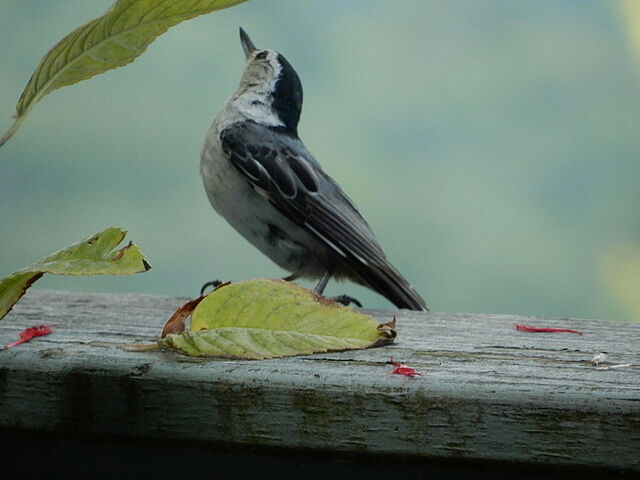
{"x":493,"y":146}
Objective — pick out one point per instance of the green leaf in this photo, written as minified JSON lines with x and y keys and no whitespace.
{"x":263,"y":318}
{"x":93,"y":256}
{"x":115,"y":39}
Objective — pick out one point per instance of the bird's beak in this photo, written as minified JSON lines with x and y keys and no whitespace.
{"x":247,"y":44}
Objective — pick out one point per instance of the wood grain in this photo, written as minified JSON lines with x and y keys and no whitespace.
{"x":489,"y":392}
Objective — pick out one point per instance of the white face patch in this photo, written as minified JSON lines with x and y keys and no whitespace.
{"x":258,"y":82}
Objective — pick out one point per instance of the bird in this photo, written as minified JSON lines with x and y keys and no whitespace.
{"x":261,"y":178}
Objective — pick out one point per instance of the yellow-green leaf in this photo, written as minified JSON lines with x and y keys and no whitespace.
{"x":115,"y":39}
{"x":264,"y":318}
{"x":93,"y":256}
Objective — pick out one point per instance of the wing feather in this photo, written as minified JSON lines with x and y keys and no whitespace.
{"x":278,"y":165}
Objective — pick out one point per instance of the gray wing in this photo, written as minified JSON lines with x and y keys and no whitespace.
{"x":279,"y":166}
{"x":292,"y":180}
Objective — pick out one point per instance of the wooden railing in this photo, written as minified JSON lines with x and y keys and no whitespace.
{"x":490,"y":396}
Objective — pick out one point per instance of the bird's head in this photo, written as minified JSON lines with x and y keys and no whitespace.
{"x":271,"y":82}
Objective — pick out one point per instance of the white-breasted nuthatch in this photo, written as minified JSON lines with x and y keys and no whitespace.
{"x":262,"y":179}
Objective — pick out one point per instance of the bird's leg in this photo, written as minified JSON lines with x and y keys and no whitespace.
{"x":345,"y":300}
{"x":322,"y":284}
{"x":291,"y":277}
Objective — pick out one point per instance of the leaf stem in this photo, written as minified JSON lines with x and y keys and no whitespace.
{"x":12,"y":130}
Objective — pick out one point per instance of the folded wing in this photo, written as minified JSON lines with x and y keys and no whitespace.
{"x":280,"y":168}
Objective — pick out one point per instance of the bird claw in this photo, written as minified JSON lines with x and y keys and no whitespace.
{"x":346,"y":300}
{"x":213,"y":283}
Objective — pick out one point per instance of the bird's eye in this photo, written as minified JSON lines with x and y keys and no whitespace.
{"x":262,"y":55}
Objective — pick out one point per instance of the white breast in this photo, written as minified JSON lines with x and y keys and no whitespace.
{"x":252,"y":215}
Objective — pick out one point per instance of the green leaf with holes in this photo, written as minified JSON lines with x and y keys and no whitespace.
{"x":93,"y":256}
{"x":264,"y":318}
{"x":115,"y":39}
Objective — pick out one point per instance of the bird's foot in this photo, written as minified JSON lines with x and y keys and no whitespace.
{"x":291,"y":277}
{"x":214,"y":283}
{"x":346,"y":300}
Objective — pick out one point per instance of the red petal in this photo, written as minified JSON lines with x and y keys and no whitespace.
{"x":528,"y":328}
{"x":403,"y":369}
{"x":31,"y":332}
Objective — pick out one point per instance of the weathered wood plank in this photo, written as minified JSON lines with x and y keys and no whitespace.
{"x":489,"y":392}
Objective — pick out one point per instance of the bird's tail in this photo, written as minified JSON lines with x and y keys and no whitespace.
{"x":389,"y":282}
